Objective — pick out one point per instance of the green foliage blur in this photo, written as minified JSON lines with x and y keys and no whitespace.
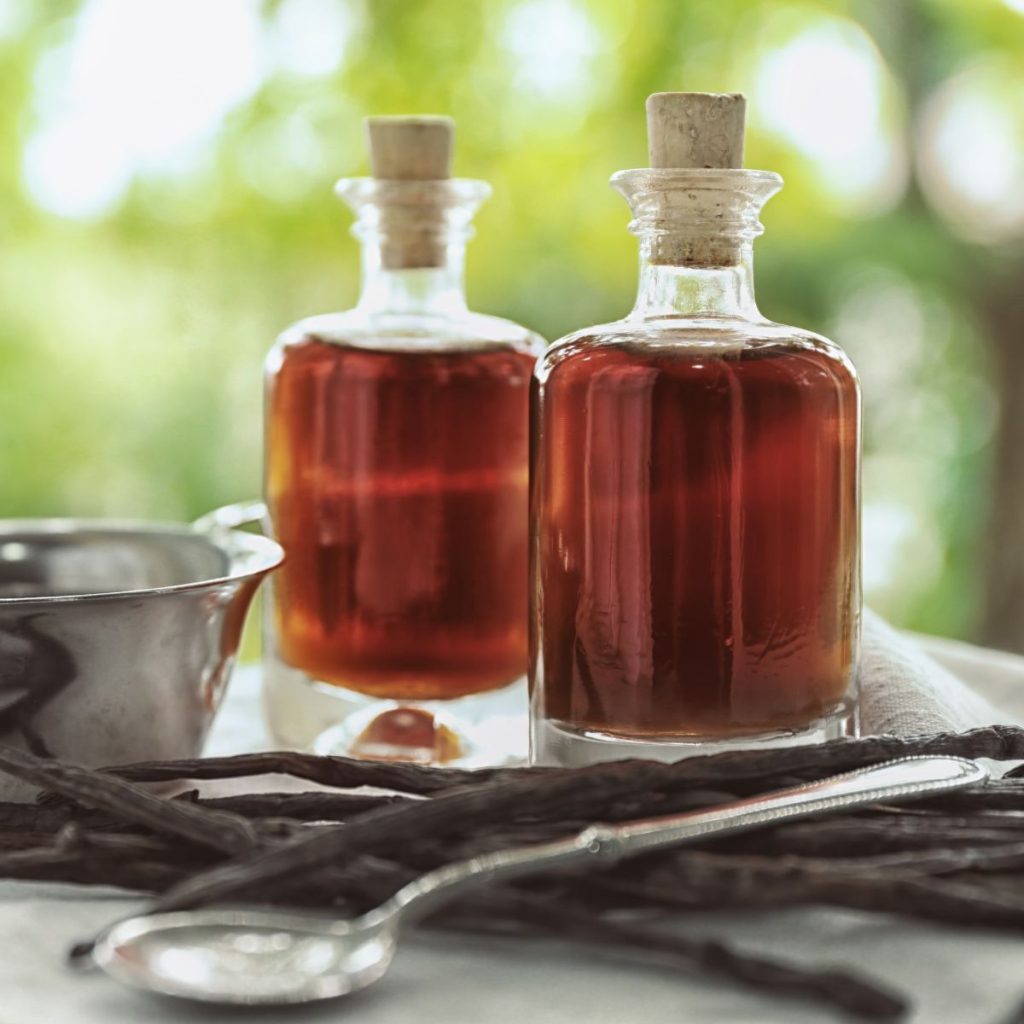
{"x":136,"y":308}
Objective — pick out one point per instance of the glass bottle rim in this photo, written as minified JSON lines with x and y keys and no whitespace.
{"x":662,"y":179}
{"x":442,"y":193}
{"x":715,"y":208}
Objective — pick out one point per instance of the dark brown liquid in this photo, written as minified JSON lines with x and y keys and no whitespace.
{"x":697,"y":538}
{"x":397,"y":484}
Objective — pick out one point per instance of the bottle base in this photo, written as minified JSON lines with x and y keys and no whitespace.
{"x":555,"y":743}
{"x":481,"y":730}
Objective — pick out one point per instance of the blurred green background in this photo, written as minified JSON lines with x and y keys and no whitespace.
{"x":166,"y":170}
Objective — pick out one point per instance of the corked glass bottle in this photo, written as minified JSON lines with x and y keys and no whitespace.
{"x":695,"y":485}
{"x":396,"y":476}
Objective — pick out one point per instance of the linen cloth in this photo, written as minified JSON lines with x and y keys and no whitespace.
{"x":904,"y":690}
{"x":954,"y":976}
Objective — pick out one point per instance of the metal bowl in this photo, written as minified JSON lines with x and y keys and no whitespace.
{"x":117,"y":639}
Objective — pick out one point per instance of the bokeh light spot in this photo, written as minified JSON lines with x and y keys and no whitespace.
{"x":140,"y":88}
{"x":310,"y":36}
{"x":553,"y":43}
{"x":971,"y":153}
{"x":824,"y":91}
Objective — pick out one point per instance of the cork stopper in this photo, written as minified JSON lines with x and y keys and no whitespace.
{"x":412,"y":158}
{"x":695,"y":129}
{"x":410,"y":148}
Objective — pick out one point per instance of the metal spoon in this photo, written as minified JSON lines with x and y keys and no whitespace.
{"x":253,"y":956}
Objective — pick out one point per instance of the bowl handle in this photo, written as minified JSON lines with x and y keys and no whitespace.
{"x":231,"y":517}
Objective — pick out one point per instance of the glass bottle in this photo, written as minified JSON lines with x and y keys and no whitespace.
{"x":695,"y":490}
{"x":396,"y":478}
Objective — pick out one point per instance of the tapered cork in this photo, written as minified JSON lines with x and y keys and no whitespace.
{"x":695,"y":129}
{"x":410,"y":148}
{"x":412,"y":156}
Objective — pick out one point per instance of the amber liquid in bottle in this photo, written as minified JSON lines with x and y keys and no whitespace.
{"x":695,"y":487}
{"x":397,"y":484}
{"x":696,"y":536}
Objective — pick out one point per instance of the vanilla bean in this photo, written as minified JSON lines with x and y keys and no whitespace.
{"x":338,"y":772}
{"x":831,"y":987}
{"x":1016,"y":1015}
{"x":861,"y":835}
{"x":560,"y":794}
{"x":290,"y":807}
{"x":902,"y":828}
{"x":951,"y":902}
{"x":507,"y":905}
{"x":512,"y":907}
{"x":897,"y":829}
{"x":24,"y":840}
{"x":68,"y":867}
{"x":586,"y":792}
{"x":836,"y":988}
{"x":934,"y":861}
{"x":1004,"y":794}
{"x":589,"y":790}
{"x":127,"y":861}
{"x":311,"y":806}
{"x":217,"y":829}
{"x":996,"y":742}
{"x":112,"y":844}
{"x":801,"y":878}
{"x":958,"y":858}
{"x":700,"y":880}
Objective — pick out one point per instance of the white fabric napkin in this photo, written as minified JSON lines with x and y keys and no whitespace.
{"x":904,"y":691}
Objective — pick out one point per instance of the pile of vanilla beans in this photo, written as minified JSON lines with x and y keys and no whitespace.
{"x":958,"y":858}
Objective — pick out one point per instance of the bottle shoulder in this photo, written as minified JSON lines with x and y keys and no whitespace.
{"x":411,"y":333}
{"x":686,"y":338}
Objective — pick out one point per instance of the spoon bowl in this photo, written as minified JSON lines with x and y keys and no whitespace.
{"x":247,"y":957}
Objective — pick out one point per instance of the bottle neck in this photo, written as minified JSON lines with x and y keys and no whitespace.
{"x":667,"y":290}
{"x":437,"y":290}
{"x":413,"y":236}
{"x":696,"y":228}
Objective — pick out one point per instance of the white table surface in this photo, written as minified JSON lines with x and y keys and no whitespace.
{"x":954,"y":976}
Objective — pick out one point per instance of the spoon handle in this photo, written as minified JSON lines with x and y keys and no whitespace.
{"x":907,"y":778}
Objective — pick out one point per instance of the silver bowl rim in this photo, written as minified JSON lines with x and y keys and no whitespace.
{"x":250,"y":555}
